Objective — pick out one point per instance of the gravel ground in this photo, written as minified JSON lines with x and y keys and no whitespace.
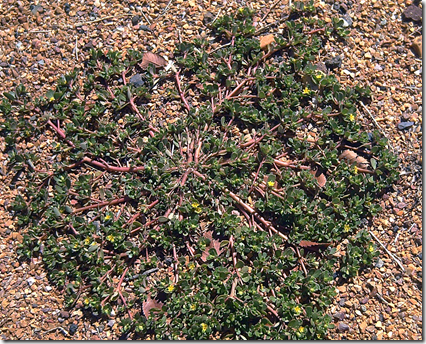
{"x":40,"y":40}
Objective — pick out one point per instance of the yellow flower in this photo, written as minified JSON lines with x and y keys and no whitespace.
{"x":76,"y":245}
{"x":306,"y":91}
{"x":87,"y":241}
{"x":193,"y":307}
{"x":198,"y":210}
{"x":271,"y":183}
{"x":191,"y":266}
{"x":351,"y":117}
{"x":195,"y":205}
{"x":86,"y":301}
{"x":170,"y":288}
{"x":346,"y":228}
{"x":110,"y":238}
{"x":319,"y":76}
{"x":52,"y":99}
{"x":300,"y":331}
{"x":355,"y":170}
{"x":204,"y":327}
{"x":371,"y":248}
{"x":108,"y":217}
{"x":297,"y":309}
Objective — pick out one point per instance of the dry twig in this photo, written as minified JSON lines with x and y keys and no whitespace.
{"x":387,"y":251}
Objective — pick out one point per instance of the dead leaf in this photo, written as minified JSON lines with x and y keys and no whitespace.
{"x":150,"y":305}
{"x":354,"y":158}
{"x":213,"y":244}
{"x":155,"y":59}
{"x":320,"y":177}
{"x":266,"y":41}
{"x":314,"y":246}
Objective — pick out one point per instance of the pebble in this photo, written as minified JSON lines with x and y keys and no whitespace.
{"x":64,"y":314}
{"x":412,"y":12}
{"x":405,"y":125}
{"x":334,"y":62}
{"x":339,"y":315}
{"x":343,"y":327}
{"x":347,"y":20}
{"x":31,"y":281}
{"x":135,"y":20}
{"x":145,"y":28}
{"x":136,"y":80}
{"x":72,"y":329}
{"x":379,"y":263}
{"x":417,"y":45}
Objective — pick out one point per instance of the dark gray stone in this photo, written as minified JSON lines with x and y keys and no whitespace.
{"x":145,"y":28}
{"x":334,"y":62}
{"x":136,"y":80}
{"x":405,"y":125}
{"x":135,"y":20}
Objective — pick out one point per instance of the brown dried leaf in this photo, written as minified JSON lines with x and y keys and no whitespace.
{"x":311,"y":245}
{"x":149,"y":306}
{"x":266,"y":41}
{"x":213,"y":244}
{"x":354,"y":158}
{"x":155,"y":59}
{"x":320,"y":177}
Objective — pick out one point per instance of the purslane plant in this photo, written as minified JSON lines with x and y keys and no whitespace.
{"x":222,"y":224}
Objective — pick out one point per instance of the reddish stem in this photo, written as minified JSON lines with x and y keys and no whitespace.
{"x":102,"y":204}
{"x":105,"y":166}
{"x":181,"y":93}
{"x":61,"y":133}
{"x":316,"y":30}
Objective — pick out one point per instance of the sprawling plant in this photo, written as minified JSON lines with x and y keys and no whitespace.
{"x":221,"y":224}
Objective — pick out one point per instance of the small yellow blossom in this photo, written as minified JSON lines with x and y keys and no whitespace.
{"x":355,"y":170}
{"x":196,"y":207}
{"x":346,"y":228}
{"x":297,"y":310}
{"x":86,"y":301}
{"x":193,"y":307}
{"x":204,"y":327}
{"x":110,"y":238}
{"x":93,"y":243}
{"x":52,"y":99}
{"x":318,"y":76}
{"x":271,"y":183}
{"x":300,"y":331}
{"x":170,"y":288}
{"x":87,"y":241}
{"x":351,"y":117}
{"x":191,"y":266}
{"x":108,"y":217}
{"x":371,"y":248}
{"x":306,"y":91}
{"x":76,"y":245}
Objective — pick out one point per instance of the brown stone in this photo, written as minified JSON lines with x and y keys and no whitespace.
{"x":417,"y":46}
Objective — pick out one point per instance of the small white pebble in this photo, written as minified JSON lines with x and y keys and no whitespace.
{"x":30,"y":281}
